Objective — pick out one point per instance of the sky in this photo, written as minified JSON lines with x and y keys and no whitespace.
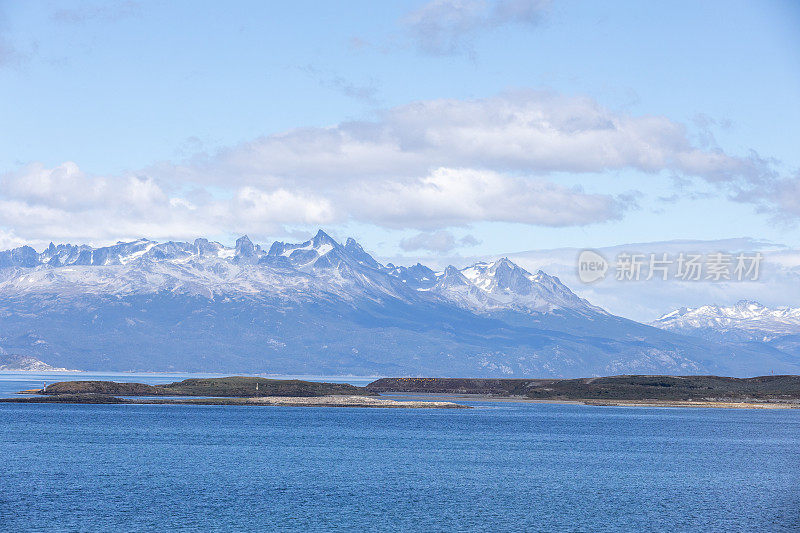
{"x":421,"y":128}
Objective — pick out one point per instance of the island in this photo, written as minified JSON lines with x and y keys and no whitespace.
{"x":763,"y":392}
{"x":233,"y":390}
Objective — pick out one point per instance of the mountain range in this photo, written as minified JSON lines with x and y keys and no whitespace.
{"x":326,"y":308}
{"x":746,"y":323}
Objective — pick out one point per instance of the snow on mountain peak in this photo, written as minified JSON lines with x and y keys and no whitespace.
{"x":208,"y":268}
{"x":310,"y":254}
{"x":507,"y":285}
{"x":322,"y":238}
{"x":245,"y":247}
{"x":746,"y":318}
{"x":452,"y":277}
{"x":355,"y":251}
{"x":749,"y":306}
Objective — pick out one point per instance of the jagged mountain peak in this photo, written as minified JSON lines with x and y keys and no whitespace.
{"x":322,"y":238}
{"x":416,"y":276}
{"x":311,"y":253}
{"x":245,"y":249}
{"x":511,"y":286}
{"x":749,"y":305}
{"x":243,"y":240}
{"x":500,"y":275}
{"x":358,"y":253}
{"x":206,"y":267}
{"x":452,"y":277}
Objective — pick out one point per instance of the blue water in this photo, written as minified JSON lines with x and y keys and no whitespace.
{"x":498,"y":467}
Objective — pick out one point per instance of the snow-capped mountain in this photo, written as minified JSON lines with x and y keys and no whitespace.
{"x":493,"y":286}
{"x":746,"y":320}
{"x":318,"y":265}
{"x":204,"y":268}
{"x":324,"y":308}
{"x":24,"y":363}
{"x":510,"y":286}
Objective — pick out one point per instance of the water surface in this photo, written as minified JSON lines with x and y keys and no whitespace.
{"x":499,"y":467}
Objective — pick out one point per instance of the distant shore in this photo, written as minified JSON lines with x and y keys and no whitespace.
{"x":723,"y":404}
{"x":231,"y":390}
{"x":764,"y":392}
{"x":287,"y":401}
{"x":422,"y":401}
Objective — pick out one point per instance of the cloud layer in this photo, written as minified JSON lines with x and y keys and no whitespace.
{"x":436,"y":241}
{"x":429,"y":165}
{"x":63,"y":202}
{"x":525,"y":132}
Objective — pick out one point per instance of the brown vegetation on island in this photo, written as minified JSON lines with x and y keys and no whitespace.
{"x":663,"y":388}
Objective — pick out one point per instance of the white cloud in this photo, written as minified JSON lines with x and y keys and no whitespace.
{"x":779,"y":197}
{"x":64,"y":202}
{"x":449,"y":26}
{"x":252,"y":206}
{"x":450,"y":197}
{"x":429,"y":165}
{"x":436,"y":241}
{"x":41,"y":203}
{"x":526,"y":132}
{"x":8,"y":240}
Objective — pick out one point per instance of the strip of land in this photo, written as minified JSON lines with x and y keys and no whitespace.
{"x":764,"y":392}
{"x":233,"y":386}
{"x":235,"y":390}
{"x":290,"y":401}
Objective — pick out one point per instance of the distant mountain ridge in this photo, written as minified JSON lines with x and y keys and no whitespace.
{"x":25,"y":363}
{"x":322,"y":307}
{"x":746,"y":320}
{"x":209,"y":268}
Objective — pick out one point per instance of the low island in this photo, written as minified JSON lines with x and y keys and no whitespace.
{"x":235,"y":390}
{"x":764,"y":392}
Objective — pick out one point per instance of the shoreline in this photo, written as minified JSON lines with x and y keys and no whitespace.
{"x":597,"y":402}
{"x":265,"y":401}
{"x":385,"y":401}
{"x":692,"y":403}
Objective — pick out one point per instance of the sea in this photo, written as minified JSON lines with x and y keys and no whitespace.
{"x":501,"y":466}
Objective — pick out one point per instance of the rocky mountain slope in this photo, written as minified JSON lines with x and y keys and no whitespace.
{"x":320,"y":307}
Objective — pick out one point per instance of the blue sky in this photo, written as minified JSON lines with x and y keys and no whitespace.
{"x":450,"y":126}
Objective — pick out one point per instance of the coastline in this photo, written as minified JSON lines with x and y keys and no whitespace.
{"x":721,"y":404}
{"x":765,"y":392}
{"x":695,"y":403}
{"x":286,"y":401}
